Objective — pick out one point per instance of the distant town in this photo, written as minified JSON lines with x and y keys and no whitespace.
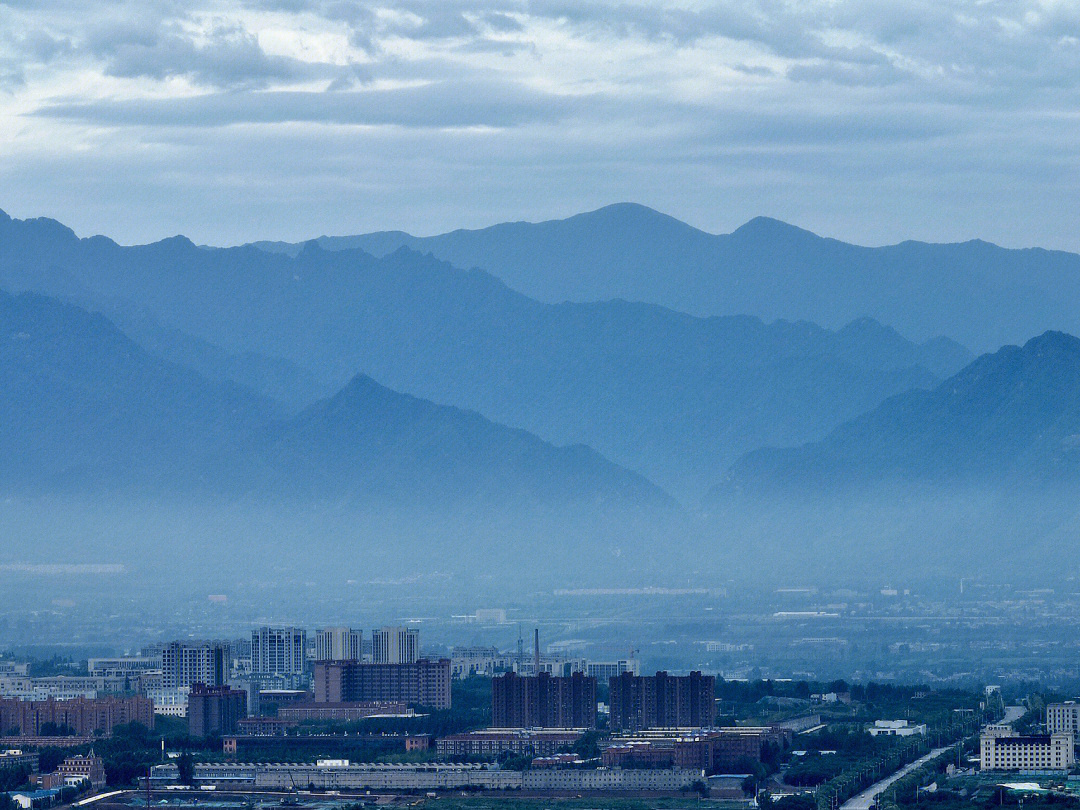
{"x":340,"y":717}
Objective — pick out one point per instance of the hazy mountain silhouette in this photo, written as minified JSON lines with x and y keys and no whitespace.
{"x":674,"y":397}
{"x":370,"y":441}
{"x":81,"y":403}
{"x":979,"y":475}
{"x":976,"y":292}
{"x":82,"y":406}
{"x":1009,"y":417}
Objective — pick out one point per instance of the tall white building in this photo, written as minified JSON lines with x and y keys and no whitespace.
{"x":338,"y":644}
{"x":184,"y":663}
{"x":395,"y":645}
{"x":279,"y":651}
{"x":1063,"y":718}
{"x":604,"y":670}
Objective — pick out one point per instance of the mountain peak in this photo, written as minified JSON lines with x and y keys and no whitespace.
{"x":1053,"y":341}
{"x":770,"y":228}
{"x":866,"y":325}
{"x":628,"y":215}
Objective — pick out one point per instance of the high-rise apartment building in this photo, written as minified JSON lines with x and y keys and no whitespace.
{"x":662,"y":701}
{"x":185,"y":663}
{"x":1064,"y":718}
{"x":215,"y":710}
{"x":421,"y":683}
{"x":395,"y":645}
{"x":279,"y":652}
{"x":543,"y":701}
{"x":338,"y":644}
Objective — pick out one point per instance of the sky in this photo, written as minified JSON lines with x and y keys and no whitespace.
{"x":868,"y":120}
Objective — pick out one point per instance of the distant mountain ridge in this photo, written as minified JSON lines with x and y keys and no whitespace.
{"x":765,"y":268}
{"x":82,"y":407}
{"x":1010,"y":416}
{"x":671,"y":396}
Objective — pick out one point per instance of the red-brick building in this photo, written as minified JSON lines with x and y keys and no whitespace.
{"x":662,"y":701}
{"x":84,"y":716}
{"x":543,"y":701}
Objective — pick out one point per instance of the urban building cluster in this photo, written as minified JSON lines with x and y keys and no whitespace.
{"x":217,"y":684}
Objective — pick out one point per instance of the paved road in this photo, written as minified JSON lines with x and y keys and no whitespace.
{"x":1012,"y":714}
{"x":863,"y":800}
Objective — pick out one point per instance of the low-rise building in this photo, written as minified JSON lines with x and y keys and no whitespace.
{"x":89,"y":768}
{"x":610,"y":779}
{"x":1008,"y":751}
{"x":343,"y":775}
{"x":344,"y":712}
{"x":263,"y":726}
{"x":16,"y":758}
{"x":896,"y":728}
{"x":710,"y":750}
{"x":36,"y":799}
{"x":491,"y":743}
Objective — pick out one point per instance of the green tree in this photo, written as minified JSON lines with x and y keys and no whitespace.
{"x":185,"y":765}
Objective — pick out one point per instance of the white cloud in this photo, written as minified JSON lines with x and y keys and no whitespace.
{"x":869,"y":118}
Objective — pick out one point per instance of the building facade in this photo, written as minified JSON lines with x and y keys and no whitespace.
{"x":279,"y":652}
{"x":90,"y":768}
{"x":662,"y":701}
{"x":421,"y":683}
{"x":711,"y":751}
{"x":342,"y":775}
{"x":1001,"y":750}
{"x":83,"y":716}
{"x":543,"y":701}
{"x":1063,"y":718}
{"x":493,"y":742}
{"x":395,"y":645}
{"x":338,"y":644}
{"x":185,"y":663}
{"x":215,"y":710}
{"x":17,"y":758}
{"x":343,"y":712}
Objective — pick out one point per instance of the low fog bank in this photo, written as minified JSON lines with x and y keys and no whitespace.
{"x":213,"y":543}
{"x":880,"y":534}
{"x":901,"y":532}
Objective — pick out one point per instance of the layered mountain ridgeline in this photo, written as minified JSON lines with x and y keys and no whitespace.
{"x":84,"y":408}
{"x":674,"y":397}
{"x":1011,"y":416}
{"x":81,"y":404}
{"x":765,"y":268}
{"x":980,"y":473}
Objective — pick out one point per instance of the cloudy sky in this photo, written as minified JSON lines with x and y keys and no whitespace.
{"x":869,"y":120}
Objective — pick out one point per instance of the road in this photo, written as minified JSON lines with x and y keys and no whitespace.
{"x":863,"y":800}
{"x":1012,"y":714}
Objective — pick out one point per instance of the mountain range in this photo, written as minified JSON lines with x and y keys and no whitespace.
{"x":673,"y":397}
{"x":329,"y":401}
{"x":1008,"y":418}
{"x":83,"y":407}
{"x":977,"y":293}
